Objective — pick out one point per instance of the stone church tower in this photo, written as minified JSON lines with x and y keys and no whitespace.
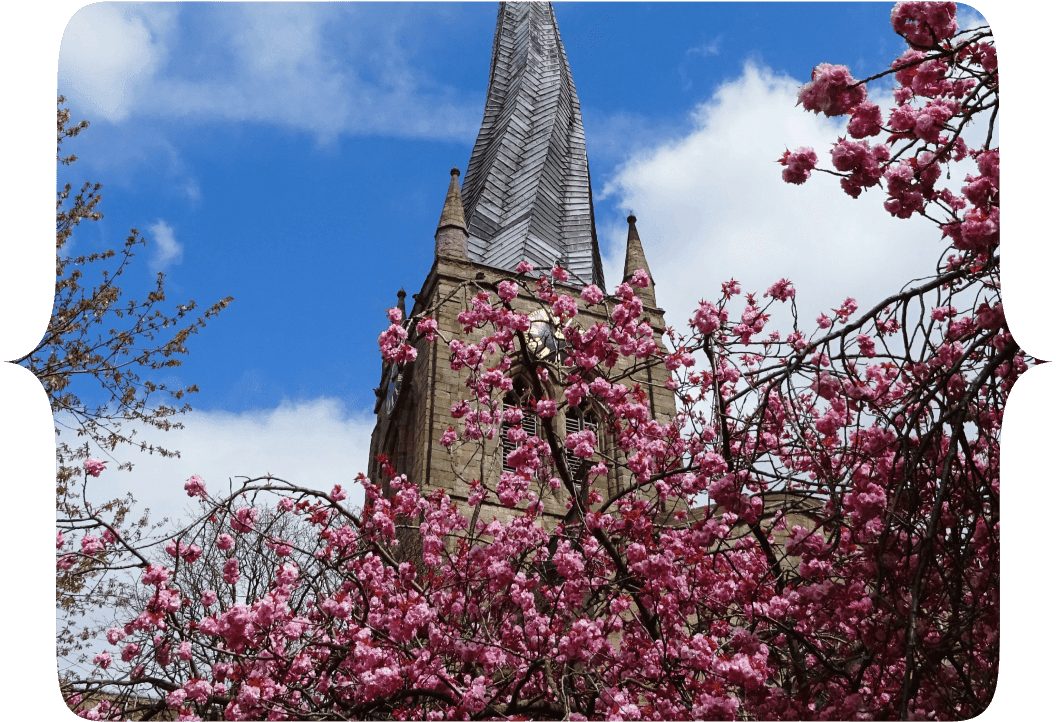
{"x":526,"y":196}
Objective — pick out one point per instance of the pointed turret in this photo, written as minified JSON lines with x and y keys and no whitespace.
{"x":635,"y":259}
{"x":527,"y":186}
{"x":451,"y":233}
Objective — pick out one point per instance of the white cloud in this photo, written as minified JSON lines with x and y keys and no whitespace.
{"x":167,"y":250}
{"x":711,"y":205}
{"x":108,"y":51}
{"x":319,"y":68}
{"x":315,"y":443}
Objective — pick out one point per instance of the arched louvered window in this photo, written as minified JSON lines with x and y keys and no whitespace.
{"x":577,"y":419}
{"x":518,"y":397}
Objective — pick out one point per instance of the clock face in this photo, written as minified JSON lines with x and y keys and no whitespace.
{"x":544,"y":339}
{"x":392,"y":391}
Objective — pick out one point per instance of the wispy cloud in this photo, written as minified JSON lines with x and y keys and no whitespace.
{"x":167,"y":250}
{"x":709,"y":47}
{"x":315,"y":443}
{"x":319,"y":68}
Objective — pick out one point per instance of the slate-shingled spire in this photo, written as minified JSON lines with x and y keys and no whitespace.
{"x":527,"y":189}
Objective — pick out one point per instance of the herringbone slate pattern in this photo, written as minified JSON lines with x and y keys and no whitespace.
{"x":527,"y":189}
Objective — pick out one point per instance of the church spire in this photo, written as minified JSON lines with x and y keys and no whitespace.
{"x":635,"y":259}
{"x":451,"y":231}
{"x":527,"y":187}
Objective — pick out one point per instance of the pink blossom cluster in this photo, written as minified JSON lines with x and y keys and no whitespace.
{"x":392,"y":341}
{"x":861,"y":162}
{"x":427,"y":328}
{"x":195,"y":486}
{"x":798,"y":165}
{"x":944,"y":85}
{"x":925,"y":24}
{"x":244,"y":519}
{"x":781,"y":291}
{"x":94,"y":467}
{"x":832,"y":91}
{"x":592,"y":295}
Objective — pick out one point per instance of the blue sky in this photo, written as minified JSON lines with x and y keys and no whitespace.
{"x":296,"y":157}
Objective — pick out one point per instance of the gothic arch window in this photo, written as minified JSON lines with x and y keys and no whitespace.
{"x":518,"y":397}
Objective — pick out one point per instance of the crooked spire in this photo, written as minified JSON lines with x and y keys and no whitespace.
{"x":527,"y":187}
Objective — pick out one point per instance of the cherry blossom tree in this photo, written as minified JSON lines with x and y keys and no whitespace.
{"x":814,"y":535}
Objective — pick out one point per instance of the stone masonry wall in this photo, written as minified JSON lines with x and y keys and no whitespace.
{"x":423,"y":411}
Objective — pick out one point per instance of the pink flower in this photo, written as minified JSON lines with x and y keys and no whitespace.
{"x":427,"y":327}
{"x":546,"y":408}
{"x":184,"y":651}
{"x":507,"y":291}
{"x":448,"y":437}
{"x":582,"y":443}
{"x":866,"y":345}
{"x":943,"y":313}
{"x":130,"y":651}
{"x":230,"y":573}
{"x":102,"y":659}
{"x":225,"y":542}
{"x":707,"y":318}
{"x":191,"y":554}
{"x":337,"y":493}
{"x":244,"y":519}
{"x":559,"y":274}
{"x":798,"y":165}
{"x":90,"y":545}
{"x":525,"y":267}
{"x":395,"y":315}
{"x":827,"y":385}
{"x":592,"y":294}
{"x":924,"y":24}
{"x":730,"y":288}
{"x":175,"y":698}
{"x":990,"y":318}
{"x":865,"y":121}
{"x":197,"y":690}
{"x":287,"y":574}
{"x":94,"y":467}
{"x":565,"y":305}
{"x":831,"y":90}
{"x":845,"y":310}
{"x":782,"y":290}
{"x":208,"y":598}
{"x":195,"y":486}
{"x":60,"y":540}
{"x":286,"y":504}
{"x":640,"y":279}
{"x":114,"y":635}
{"x":824,"y":321}
{"x":155,"y":574}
